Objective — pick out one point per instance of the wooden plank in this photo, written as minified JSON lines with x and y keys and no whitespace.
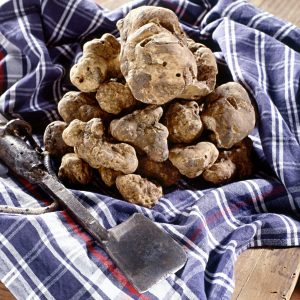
{"x":256,"y":2}
{"x":296,"y":293}
{"x":5,"y":294}
{"x":288,"y":10}
{"x":111,"y":4}
{"x":244,"y":267}
{"x":267,"y":274}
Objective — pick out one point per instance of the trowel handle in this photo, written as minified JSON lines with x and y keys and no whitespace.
{"x":67,"y":200}
{"x":18,"y":156}
{"x":27,"y":163}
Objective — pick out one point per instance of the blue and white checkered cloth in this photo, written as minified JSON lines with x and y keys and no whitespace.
{"x":51,"y":257}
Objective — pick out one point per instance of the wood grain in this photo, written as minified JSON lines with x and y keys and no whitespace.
{"x":267,"y":274}
{"x":5,"y":294}
{"x":296,"y":293}
{"x":288,"y":10}
{"x":111,"y":4}
{"x":243,"y":268}
{"x":261,"y":274}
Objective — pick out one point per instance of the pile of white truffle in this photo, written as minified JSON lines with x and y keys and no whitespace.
{"x":147,"y":112}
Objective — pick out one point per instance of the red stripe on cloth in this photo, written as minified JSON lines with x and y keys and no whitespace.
{"x":108,"y":264}
{"x":117,"y":274}
{"x":2,"y":74}
{"x":32,"y":189}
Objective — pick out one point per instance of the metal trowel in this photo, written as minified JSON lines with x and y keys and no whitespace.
{"x":143,"y":252}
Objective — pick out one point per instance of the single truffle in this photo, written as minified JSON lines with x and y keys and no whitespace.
{"x":74,"y":170}
{"x":155,"y":59}
{"x":143,"y":130}
{"x":53,"y":140}
{"x":207,"y":71}
{"x":99,"y":62}
{"x":228,"y":115}
{"x":235,"y":163}
{"x":89,"y":144}
{"x":191,"y":161}
{"x":183,"y":122}
{"x":162,"y":172}
{"x":109,"y":176}
{"x":144,"y":15}
{"x":220,"y":172}
{"x":81,"y":106}
{"x":138,"y":190}
{"x":115,"y":97}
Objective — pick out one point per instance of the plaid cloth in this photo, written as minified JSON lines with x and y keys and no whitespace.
{"x":51,"y":257}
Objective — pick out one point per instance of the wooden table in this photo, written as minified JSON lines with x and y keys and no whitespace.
{"x":261,"y":274}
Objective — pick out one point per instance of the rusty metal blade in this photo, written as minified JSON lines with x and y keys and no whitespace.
{"x":67,"y":200}
{"x":144,"y":252}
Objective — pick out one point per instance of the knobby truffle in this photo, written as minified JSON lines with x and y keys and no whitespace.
{"x":81,"y":106}
{"x":99,"y":62}
{"x":53,"y":140}
{"x":89,"y":143}
{"x":235,"y":163}
{"x":207,"y":71}
{"x":191,"y":161}
{"x":74,"y":170}
{"x":183,"y":122}
{"x":155,"y":58}
{"x":229,"y":115}
{"x":115,"y":97}
{"x":143,"y":130}
{"x":162,"y":172}
{"x":109,"y":176}
{"x":138,"y":190}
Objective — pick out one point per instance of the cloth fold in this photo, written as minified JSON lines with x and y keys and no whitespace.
{"x":51,"y":257}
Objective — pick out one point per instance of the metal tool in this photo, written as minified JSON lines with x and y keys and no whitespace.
{"x":143,"y":252}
